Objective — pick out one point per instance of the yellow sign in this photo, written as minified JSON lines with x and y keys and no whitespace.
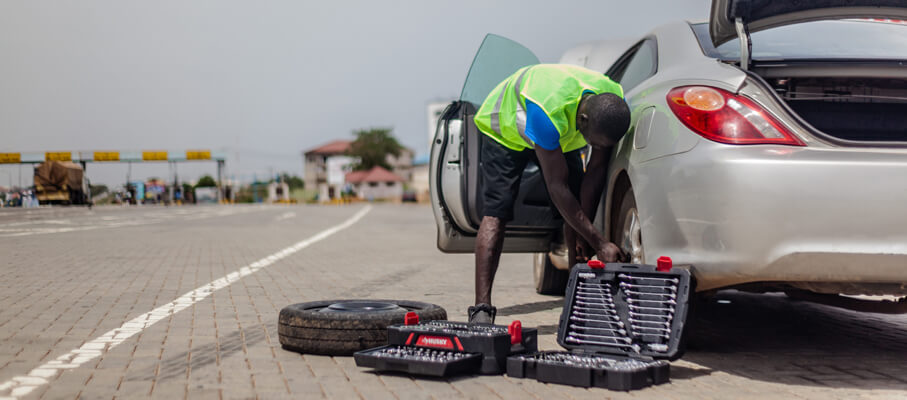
{"x":154,"y":155}
{"x":10,"y":158}
{"x":107,"y":156}
{"x":198,"y":155}
{"x":58,"y":156}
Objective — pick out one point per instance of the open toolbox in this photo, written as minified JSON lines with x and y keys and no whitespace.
{"x":620,"y":322}
{"x":442,"y":348}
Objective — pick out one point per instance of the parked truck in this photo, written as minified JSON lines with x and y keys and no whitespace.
{"x":58,"y":182}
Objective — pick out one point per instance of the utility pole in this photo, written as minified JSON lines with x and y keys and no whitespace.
{"x":220,"y":178}
{"x":176,"y":184}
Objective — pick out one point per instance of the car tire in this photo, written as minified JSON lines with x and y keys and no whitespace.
{"x":626,"y":232}
{"x":548,"y":279}
{"x":316,"y":328}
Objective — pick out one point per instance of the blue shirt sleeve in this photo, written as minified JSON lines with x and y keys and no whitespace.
{"x":540,"y":129}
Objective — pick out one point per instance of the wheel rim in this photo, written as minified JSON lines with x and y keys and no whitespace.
{"x":538,"y":265}
{"x":632,"y":237}
{"x":362,"y":306}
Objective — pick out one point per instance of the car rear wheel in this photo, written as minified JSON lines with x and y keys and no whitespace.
{"x":342,"y":327}
{"x":627,"y":232}
{"x":548,"y":279}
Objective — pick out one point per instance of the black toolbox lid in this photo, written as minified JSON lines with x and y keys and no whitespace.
{"x":625,"y":309}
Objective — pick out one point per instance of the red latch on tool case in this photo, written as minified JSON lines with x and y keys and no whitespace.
{"x":410,"y":318}
{"x":664,"y":264}
{"x":595,"y":264}
{"x":516,"y":332}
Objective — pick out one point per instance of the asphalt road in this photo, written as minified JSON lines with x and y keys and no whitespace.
{"x":94,"y":304}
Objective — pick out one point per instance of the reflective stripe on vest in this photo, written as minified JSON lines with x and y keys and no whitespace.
{"x":520,"y":112}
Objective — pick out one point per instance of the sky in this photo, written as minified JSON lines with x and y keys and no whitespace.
{"x":261,"y":81}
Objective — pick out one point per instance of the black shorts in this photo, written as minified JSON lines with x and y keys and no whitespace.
{"x":501,"y":170}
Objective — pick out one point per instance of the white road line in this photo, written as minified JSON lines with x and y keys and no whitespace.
{"x":23,"y":385}
{"x":284,"y":216}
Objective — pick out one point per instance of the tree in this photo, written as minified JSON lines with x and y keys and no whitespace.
{"x":293,"y":181}
{"x":372,"y":147}
{"x":97,"y":189}
{"x":206,"y":181}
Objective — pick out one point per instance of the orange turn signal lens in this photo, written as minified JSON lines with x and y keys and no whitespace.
{"x":703,"y":98}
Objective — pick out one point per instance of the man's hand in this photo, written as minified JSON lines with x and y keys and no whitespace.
{"x":584,"y":252}
{"x":609,"y":252}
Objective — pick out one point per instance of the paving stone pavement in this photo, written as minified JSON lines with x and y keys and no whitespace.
{"x":70,"y":275}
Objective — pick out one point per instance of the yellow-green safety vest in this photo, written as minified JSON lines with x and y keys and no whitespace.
{"x":556,"y":88}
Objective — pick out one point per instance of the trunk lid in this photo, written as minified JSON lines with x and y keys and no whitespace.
{"x":757,"y":15}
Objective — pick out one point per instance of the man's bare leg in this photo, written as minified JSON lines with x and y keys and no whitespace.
{"x":489,"y":243}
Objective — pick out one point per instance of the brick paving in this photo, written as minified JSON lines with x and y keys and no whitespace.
{"x":63,"y":287}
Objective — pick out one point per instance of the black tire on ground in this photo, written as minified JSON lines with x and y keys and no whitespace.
{"x":548,"y":279}
{"x":305,"y":328}
{"x":627,"y":203}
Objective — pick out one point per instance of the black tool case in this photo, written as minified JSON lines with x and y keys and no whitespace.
{"x":441,"y":348}
{"x":620,"y":323}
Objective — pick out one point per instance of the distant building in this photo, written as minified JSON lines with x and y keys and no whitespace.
{"x":419,"y":182}
{"x":325,"y":167}
{"x":278,"y":192}
{"x":315,"y":161}
{"x":376,"y":184}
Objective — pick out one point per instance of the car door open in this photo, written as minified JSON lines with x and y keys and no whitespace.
{"x":455,"y":179}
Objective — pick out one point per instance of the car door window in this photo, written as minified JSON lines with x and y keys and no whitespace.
{"x":497,"y":58}
{"x":636,"y":65}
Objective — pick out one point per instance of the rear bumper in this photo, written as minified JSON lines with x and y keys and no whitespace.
{"x":743,"y":214}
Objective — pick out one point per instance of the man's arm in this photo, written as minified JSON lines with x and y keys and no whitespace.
{"x":554,"y":169}
{"x":594,"y":181}
{"x":591,"y":192}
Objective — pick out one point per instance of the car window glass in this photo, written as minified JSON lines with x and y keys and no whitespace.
{"x":640,"y":67}
{"x":497,"y":58}
{"x":616,"y":72}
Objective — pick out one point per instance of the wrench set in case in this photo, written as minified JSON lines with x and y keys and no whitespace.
{"x":442,"y":348}
{"x":620,"y":323}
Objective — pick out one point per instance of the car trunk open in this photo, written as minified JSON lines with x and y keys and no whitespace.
{"x":838,"y":65}
{"x":861,"y":110}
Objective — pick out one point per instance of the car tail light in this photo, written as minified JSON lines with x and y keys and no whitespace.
{"x":724,"y":117}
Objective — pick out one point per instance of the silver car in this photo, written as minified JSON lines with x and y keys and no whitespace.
{"x":768,"y":150}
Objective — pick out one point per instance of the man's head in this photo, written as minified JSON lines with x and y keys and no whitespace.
{"x":603,"y":119}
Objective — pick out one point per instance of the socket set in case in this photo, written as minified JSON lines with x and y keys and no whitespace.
{"x":620,"y":323}
{"x":441,"y":348}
